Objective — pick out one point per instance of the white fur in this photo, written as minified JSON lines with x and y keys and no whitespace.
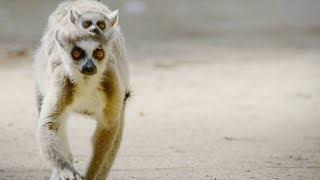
{"x":88,"y":98}
{"x":59,"y":19}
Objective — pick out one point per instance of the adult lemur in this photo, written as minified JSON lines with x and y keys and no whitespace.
{"x":78,"y":69}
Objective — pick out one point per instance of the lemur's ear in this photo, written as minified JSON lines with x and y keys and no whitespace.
{"x":110,"y":36}
{"x":74,"y":15}
{"x":61,"y":37}
{"x":113,"y":18}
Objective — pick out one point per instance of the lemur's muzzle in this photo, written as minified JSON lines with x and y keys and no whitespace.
{"x":89,"y":68}
{"x":95,"y":30}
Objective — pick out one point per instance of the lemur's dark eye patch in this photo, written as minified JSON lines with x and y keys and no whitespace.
{"x":86,"y":24}
{"x":98,"y":53}
{"x":101,"y":25}
{"x":77,"y":53}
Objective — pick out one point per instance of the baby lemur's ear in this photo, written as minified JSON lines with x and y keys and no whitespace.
{"x":113,"y":18}
{"x":61,"y":37}
{"x":74,"y":15}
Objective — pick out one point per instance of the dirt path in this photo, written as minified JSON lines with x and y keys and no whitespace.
{"x":221,"y":115}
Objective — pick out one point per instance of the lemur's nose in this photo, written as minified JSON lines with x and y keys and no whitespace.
{"x":95,"y":30}
{"x":89,"y":68}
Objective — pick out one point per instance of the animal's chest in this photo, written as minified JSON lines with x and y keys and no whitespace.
{"x":88,"y":101}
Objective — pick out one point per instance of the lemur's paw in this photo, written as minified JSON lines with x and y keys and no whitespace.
{"x":70,"y":175}
{"x":66,"y":174}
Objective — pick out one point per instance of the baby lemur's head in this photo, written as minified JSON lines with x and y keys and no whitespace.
{"x":94,"y":21}
{"x":84,"y":53}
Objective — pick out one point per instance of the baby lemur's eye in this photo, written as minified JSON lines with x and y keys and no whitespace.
{"x":98,"y":54}
{"x":77,"y":53}
{"x":86,"y":24}
{"x":101,"y":25}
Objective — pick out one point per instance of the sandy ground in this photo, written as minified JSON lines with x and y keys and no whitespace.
{"x":223,"y":90}
{"x":244,"y":115}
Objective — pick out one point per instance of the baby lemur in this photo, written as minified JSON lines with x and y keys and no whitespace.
{"x":83,"y":71}
{"x":80,"y":14}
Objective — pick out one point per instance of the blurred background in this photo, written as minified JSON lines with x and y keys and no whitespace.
{"x":208,"y":23}
{"x":223,"y":89}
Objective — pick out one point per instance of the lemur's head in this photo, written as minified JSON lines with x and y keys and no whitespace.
{"x":84,"y":53}
{"x":94,"y":21}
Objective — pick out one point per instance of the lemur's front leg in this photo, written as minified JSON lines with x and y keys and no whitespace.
{"x":108,"y":127}
{"x":103,"y":141}
{"x":52,"y":115}
{"x":108,"y":161}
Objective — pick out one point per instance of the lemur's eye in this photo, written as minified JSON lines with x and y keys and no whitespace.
{"x":98,"y":54}
{"x":101,"y":25}
{"x":86,"y":24}
{"x":77,"y":53}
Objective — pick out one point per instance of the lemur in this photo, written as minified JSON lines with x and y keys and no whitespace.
{"x":87,"y":73}
{"x":80,"y":14}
